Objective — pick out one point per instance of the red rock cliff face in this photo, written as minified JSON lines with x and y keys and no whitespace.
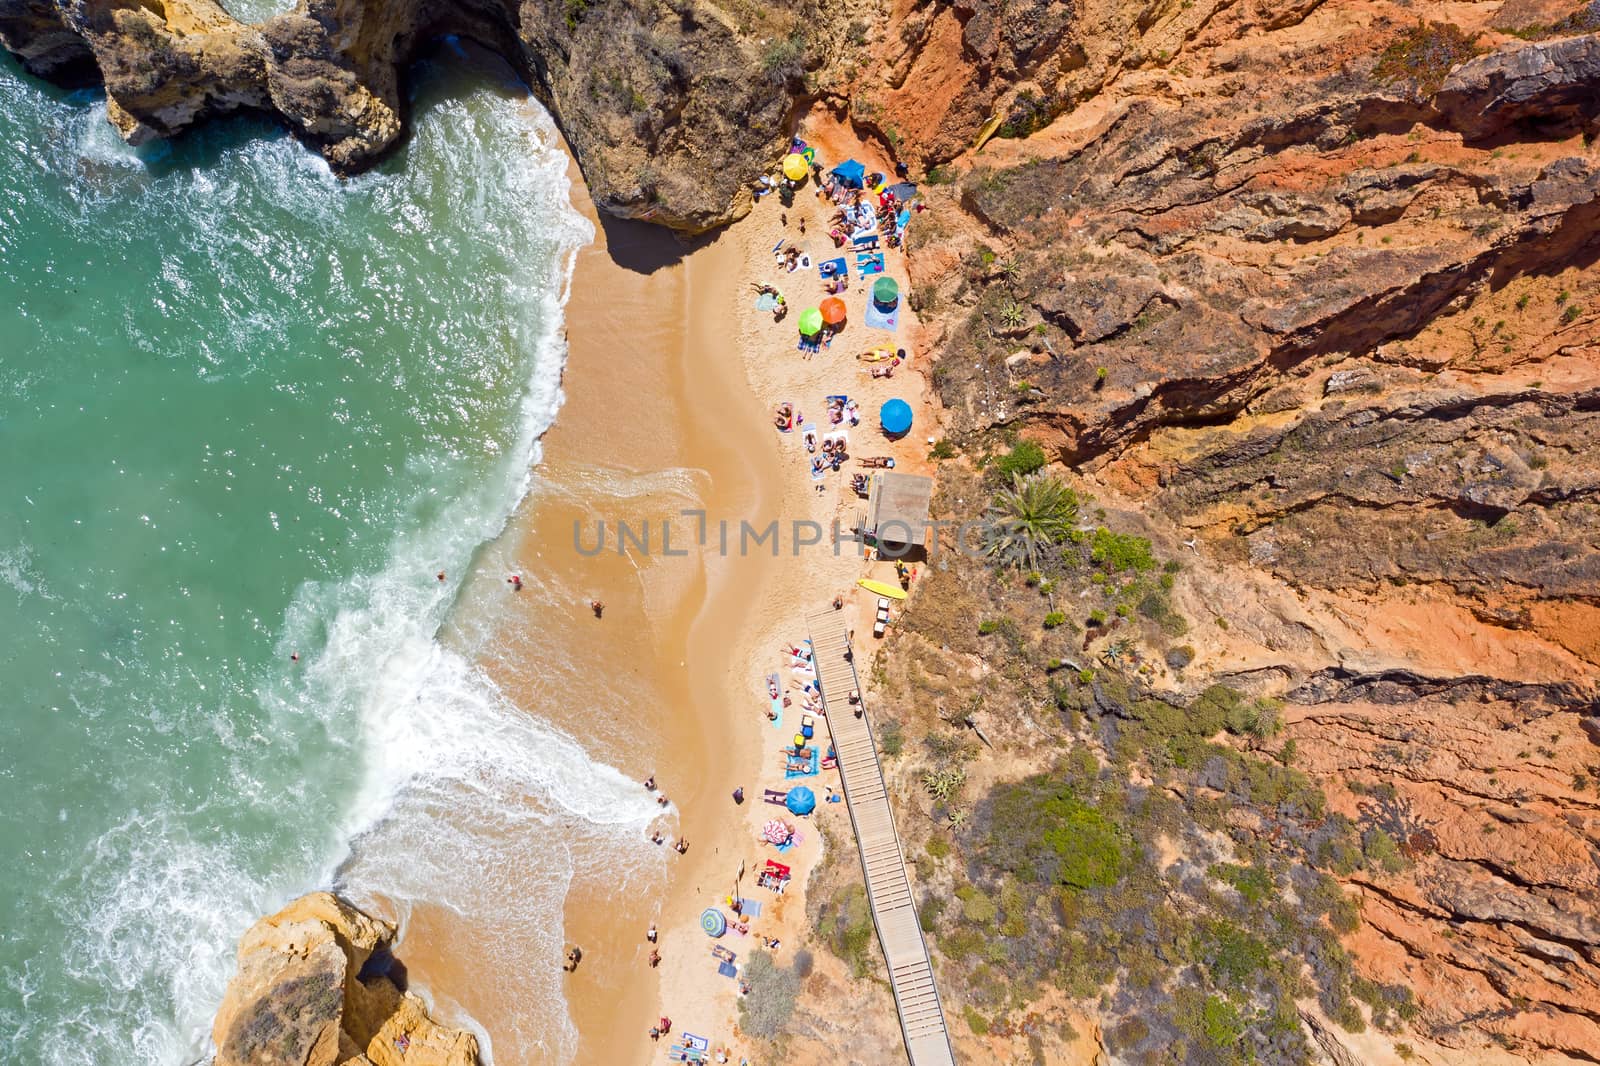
{"x":1312,"y":289}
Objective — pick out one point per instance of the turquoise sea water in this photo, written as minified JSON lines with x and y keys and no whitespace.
{"x":247,"y":409}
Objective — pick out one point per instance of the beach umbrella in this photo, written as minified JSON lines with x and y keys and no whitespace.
{"x":896,"y":417}
{"x":851,"y":173}
{"x":886,"y":291}
{"x":801,"y":800}
{"x":832,"y":310}
{"x":811,"y":322}
{"x":794,"y":166}
{"x":713,"y":922}
{"x":776,"y":832}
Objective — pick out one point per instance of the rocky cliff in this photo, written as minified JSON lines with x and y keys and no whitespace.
{"x":672,"y":109}
{"x":1305,"y":293}
{"x":314,"y":989}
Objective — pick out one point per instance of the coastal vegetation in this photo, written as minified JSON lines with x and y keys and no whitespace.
{"x":1160,"y":856}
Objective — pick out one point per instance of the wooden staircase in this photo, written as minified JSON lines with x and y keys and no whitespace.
{"x":894,"y":910}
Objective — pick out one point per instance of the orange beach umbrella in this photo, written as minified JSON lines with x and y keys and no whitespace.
{"x":832,"y":310}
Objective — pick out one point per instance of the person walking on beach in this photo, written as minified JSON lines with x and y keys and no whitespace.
{"x":650,"y":783}
{"x":574,"y":953}
{"x":515,"y":581}
{"x":597,"y":607}
{"x":655,"y":959}
{"x":650,"y":934}
{"x":682,"y":846}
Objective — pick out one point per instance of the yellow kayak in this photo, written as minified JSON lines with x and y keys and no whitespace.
{"x":883,"y":588}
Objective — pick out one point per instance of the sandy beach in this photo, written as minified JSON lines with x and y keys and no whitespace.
{"x":670,"y":384}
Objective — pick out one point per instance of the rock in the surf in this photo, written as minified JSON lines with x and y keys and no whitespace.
{"x":312,"y":989}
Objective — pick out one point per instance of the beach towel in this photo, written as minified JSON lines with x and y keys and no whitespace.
{"x":726,"y":969}
{"x":819,"y":468}
{"x":808,"y":345}
{"x":791,"y":842}
{"x":834,"y":268}
{"x":698,"y":1043}
{"x":903,"y":191}
{"x":804,"y":766}
{"x":877,"y":318}
{"x":766,"y":302}
{"x":869,"y":263}
{"x":750,"y":908}
{"x":775,"y":797}
{"x":903,"y":219}
{"x":776,"y":682}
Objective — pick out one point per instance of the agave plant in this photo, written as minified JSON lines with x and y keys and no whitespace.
{"x":1028,"y":517}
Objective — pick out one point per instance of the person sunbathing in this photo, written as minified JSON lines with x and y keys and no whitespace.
{"x":882,"y":371}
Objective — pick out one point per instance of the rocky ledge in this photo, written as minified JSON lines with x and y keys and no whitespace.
{"x":671,"y":109}
{"x":315,"y":988}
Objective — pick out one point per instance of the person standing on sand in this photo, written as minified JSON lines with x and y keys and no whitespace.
{"x":650,"y":934}
{"x":597,"y":607}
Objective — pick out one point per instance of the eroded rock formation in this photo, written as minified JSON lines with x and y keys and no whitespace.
{"x":313,"y":989}
{"x":1321,"y":316}
{"x":671,"y":109}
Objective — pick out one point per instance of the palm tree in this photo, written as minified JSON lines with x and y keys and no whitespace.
{"x":1029,"y":516}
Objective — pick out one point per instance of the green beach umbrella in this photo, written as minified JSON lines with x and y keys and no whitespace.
{"x":885,"y":291}
{"x":811,"y":322}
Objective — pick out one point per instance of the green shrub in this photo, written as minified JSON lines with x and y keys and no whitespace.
{"x":891,"y":738}
{"x":942,"y":449}
{"x":1054,"y":618}
{"x":1023,"y":459}
{"x":1381,"y":852}
{"x":976,"y":907}
{"x":1121,"y":551}
{"x":770,"y":1004}
{"x":846,"y":926}
{"x":1425,"y":53}
{"x":976,"y":1022}
{"x":928,"y":913}
{"x":1043,"y":831}
{"x":783,"y":59}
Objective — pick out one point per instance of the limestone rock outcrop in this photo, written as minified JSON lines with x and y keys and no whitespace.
{"x":313,"y":989}
{"x":670,"y":109}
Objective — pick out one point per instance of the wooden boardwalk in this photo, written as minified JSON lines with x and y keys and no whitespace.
{"x":894,"y":910}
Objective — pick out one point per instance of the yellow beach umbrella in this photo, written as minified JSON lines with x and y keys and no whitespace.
{"x":794,"y":166}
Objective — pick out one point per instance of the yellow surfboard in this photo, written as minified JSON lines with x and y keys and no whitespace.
{"x":883,"y":588}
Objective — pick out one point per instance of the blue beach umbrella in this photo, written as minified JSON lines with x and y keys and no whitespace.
{"x":896,"y":417}
{"x":801,"y":800}
{"x":850,"y":173}
{"x":712,"y":921}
